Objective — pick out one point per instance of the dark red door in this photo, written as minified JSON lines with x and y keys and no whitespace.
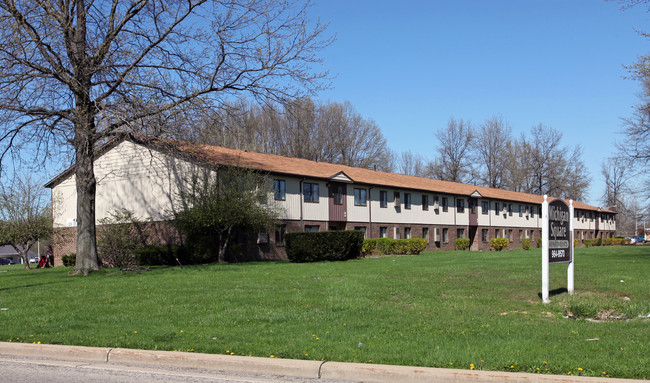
{"x":337,"y":201}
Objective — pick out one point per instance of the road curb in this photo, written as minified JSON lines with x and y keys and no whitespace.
{"x":310,"y":369}
{"x":248,"y":364}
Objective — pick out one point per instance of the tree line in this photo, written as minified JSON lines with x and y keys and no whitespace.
{"x":486,"y":154}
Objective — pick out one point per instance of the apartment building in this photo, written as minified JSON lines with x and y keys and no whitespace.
{"x":145,"y":175}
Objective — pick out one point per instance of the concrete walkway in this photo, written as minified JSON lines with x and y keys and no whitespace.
{"x":355,"y":372}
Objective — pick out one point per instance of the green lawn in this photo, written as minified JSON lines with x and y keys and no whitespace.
{"x":440,"y":309}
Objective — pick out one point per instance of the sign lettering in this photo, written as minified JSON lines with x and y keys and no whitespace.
{"x":559,"y":243}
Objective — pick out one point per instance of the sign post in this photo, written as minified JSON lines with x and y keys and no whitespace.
{"x":557,"y":241}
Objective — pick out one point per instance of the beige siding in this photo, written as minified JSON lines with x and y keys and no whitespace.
{"x":129,"y":177}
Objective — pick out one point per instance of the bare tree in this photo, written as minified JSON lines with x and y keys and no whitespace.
{"x":616,"y":175}
{"x":490,"y":148}
{"x":78,"y":72}
{"x":25,"y":216}
{"x":329,"y":132}
{"x":412,"y":164}
{"x":453,"y":162}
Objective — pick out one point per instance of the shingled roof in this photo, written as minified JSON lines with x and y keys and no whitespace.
{"x":215,"y":155}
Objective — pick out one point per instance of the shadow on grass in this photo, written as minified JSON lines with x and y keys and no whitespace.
{"x":554,"y":292}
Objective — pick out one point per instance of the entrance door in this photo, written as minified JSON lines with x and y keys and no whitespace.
{"x":337,"y":192}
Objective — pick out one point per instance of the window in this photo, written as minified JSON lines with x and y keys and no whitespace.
{"x":407,"y":232}
{"x":472,"y":206}
{"x":496,"y":233}
{"x":510,"y":209}
{"x":460,"y":205}
{"x":425,"y":233}
{"x":407,"y":200}
{"x":397,"y":233}
{"x":382,"y":232}
{"x":396,"y":199}
{"x":532,"y":211}
{"x":338,"y":195}
{"x":445,"y":235}
{"x":279,"y":235}
{"x":279,"y":189}
{"x":310,"y":192}
{"x":445,"y":204}
{"x":484,"y":235}
{"x":521,"y":234}
{"x":361,"y":228}
{"x":425,"y":202}
{"x":496,"y":208}
{"x":485,"y":207}
{"x":521,"y":210}
{"x":360,"y":197}
{"x":383,"y":198}
{"x":510,"y":235}
{"x":437,"y":234}
{"x":311,"y":228}
{"x":460,"y":233}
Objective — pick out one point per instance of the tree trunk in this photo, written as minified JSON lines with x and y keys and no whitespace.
{"x":87,"y":259}
{"x":24,"y":253}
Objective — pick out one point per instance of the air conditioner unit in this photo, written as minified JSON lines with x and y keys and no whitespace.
{"x":436,"y":206}
{"x":72,"y":222}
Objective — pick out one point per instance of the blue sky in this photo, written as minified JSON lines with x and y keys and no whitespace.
{"x":411,"y":65}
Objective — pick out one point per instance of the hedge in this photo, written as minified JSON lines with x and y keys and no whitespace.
{"x":69,"y":260}
{"x":154,"y":255}
{"x":462,"y":243}
{"x":499,"y":244}
{"x":389,"y":246}
{"x":525,"y":243}
{"x":324,"y":246}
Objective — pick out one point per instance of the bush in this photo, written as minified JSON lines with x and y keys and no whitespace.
{"x":462,"y":243}
{"x":607,"y":241}
{"x":525,"y":243}
{"x":324,"y":246}
{"x":120,"y":234}
{"x":389,"y":246}
{"x":69,"y":259}
{"x":539,"y":243}
{"x":369,"y":246}
{"x":154,"y":255}
{"x":597,"y":242}
{"x":575,"y":242}
{"x":587,"y":242}
{"x":499,"y":244}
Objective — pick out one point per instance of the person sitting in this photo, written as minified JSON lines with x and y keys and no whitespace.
{"x":42,"y":262}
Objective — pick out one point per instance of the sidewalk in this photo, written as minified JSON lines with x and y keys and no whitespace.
{"x":355,"y":372}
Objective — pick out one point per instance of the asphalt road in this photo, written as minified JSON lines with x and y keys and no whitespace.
{"x":17,"y":369}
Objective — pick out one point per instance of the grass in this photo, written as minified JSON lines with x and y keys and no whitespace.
{"x":456,"y":309}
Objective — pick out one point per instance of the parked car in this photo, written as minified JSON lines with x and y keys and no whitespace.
{"x":6,"y":261}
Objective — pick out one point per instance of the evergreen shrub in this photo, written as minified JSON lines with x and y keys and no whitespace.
{"x":324,"y":246}
{"x":525,"y":243}
{"x":462,"y":243}
{"x":69,"y":260}
{"x":499,"y":244}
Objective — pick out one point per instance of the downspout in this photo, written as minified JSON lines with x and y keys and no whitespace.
{"x":370,"y":211}
{"x":302,"y":223}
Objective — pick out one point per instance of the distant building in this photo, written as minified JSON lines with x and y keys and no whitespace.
{"x":145,"y":176}
{"x":8,"y":251}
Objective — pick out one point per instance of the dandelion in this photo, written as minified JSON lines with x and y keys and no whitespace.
{"x":135,"y":332}
{"x":317,"y":338}
{"x":181,"y":330}
{"x":306,"y":354}
{"x":569,"y":373}
{"x":579,"y":368}
{"x":272,"y":356}
{"x":471,"y":366}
